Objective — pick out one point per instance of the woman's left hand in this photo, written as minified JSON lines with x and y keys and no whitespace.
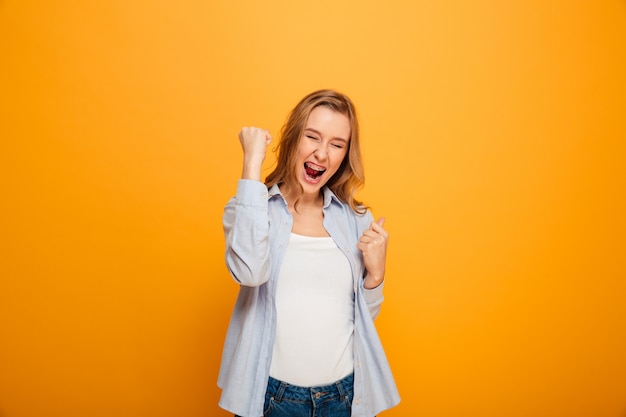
{"x":373,"y":245}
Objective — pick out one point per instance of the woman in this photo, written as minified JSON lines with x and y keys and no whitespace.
{"x":310,"y":261}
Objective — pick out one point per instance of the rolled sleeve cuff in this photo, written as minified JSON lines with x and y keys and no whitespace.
{"x":374,"y":294}
{"x":251,"y":193}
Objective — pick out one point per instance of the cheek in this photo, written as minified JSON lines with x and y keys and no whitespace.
{"x":338,"y":160}
{"x":305,"y":149}
{"x":343,"y":155}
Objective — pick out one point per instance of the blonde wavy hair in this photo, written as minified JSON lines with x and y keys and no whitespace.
{"x":350,"y":175}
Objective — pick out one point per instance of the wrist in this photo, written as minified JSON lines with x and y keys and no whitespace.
{"x":252,"y":170}
{"x":372,"y":281}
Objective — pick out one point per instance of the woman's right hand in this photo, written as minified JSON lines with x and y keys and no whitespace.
{"x":254,"y":142}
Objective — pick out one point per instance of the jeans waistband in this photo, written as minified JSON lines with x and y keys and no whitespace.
{"x":340,"y":389}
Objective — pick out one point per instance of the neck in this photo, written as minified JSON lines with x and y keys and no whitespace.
{"x":305,"y":200}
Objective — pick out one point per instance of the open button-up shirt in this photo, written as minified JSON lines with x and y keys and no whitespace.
{"x":257,"y":226}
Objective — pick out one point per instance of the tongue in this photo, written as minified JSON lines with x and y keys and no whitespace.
{"x":312,"y":172}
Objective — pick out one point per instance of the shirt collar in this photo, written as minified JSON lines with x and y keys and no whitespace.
{"x":330,"y":197}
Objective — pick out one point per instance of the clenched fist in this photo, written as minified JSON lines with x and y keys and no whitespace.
{"x":373,"y":245}
{"x":254,"y":142}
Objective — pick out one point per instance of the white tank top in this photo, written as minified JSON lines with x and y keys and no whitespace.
{"x":315,"y":314}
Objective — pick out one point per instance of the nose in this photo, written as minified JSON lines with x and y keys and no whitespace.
{"x":321,"y":152}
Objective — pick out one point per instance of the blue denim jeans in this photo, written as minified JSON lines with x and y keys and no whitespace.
{"x":284,"y":400}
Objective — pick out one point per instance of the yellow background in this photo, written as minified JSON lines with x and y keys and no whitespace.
{"x":494,"y":139}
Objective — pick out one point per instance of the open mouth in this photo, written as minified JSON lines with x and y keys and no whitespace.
{"x":313,"y":171}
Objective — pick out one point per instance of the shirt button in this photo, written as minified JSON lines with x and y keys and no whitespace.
{"x":356,"y":401}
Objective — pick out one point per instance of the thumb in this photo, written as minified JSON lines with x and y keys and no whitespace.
{"x":381,"y":221}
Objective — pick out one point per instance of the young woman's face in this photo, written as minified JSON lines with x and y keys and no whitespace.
{"x":322,"y":148}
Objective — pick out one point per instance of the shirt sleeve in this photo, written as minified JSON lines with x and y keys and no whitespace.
{"x":374,"y":299}
{"x":246,"y":231}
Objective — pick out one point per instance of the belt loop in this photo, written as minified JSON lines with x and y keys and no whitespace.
{"x":339,"y":385}
{"x":280,"y":391}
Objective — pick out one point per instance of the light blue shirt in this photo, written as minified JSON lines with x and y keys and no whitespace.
{"x":257,"y":226}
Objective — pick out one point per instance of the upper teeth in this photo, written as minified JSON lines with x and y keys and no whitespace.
{"x":314,"y":167}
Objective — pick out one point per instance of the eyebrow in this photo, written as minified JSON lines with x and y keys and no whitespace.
{"x":319,"y":133}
